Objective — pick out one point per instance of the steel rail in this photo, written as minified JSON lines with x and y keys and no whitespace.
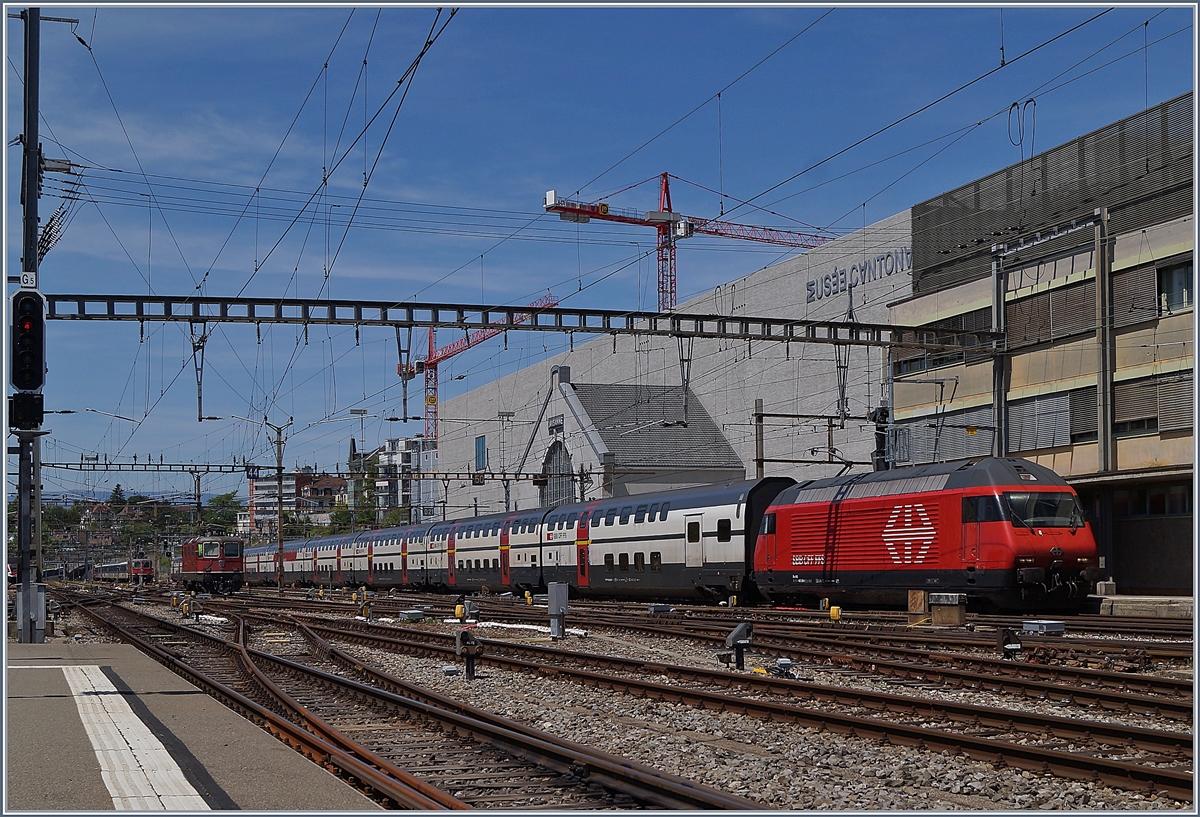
{"x":1173,"y":650}
{"x":1122,"y":774}
{"x":337,"y":738}
{"x":311,"y":746}
{"x":641,"y":782}
{"x":1150,"y":739}
{"x":983,"y":671}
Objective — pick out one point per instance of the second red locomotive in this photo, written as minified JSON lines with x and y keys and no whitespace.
{"x":213,"y":564}
{"x":1007,"y":532}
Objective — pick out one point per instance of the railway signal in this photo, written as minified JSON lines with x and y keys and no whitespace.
{"x":27,"y":364}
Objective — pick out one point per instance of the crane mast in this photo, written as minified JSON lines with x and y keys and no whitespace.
{"x":429,"y":365}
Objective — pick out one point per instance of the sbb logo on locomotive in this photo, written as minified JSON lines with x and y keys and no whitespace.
{"x":908,"y":534}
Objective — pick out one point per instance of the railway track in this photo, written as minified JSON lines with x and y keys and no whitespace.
{"x":451,"y":758}
{"x":1128,"y":757}
{"x":1055,"y":671}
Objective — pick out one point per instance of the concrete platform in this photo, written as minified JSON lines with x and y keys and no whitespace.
{"x":101,"y":727}
{"x":1149,"y":606}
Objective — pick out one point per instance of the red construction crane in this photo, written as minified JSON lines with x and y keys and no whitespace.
{"x":429,"y":365}
{"x":672,"y":226}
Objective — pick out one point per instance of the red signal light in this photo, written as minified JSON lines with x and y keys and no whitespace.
{"x":27,"y":369}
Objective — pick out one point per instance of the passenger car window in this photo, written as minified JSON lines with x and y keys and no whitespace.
{"x":724,"y":530}
{"x":623,"y":561}
{"x":608,"y":562}
{"x":640,"y":514}
{"x":693,"y":532}
{"x":655,"y":560}
{"x":639,"y":561}
{"x":662,"y":515}
{"x":611,"y":517}
{"x":625,"y":512}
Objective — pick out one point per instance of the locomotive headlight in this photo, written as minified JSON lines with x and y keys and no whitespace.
{"x":1024,"y":560}
{"x":1084,"y":560}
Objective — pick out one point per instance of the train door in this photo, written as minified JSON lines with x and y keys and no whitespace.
{"x":582,"y":541}
{"x":337,"y":564}
{"x":370,"y":563}
{"x":505,"y":577}
{"x":693,"y":540}
{"x":450,"y":559}
{"x":975,"y":511}
{"x":404,"y":561}
{"x":970,"y":532}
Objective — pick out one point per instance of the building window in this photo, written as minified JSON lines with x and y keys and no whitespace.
{"x":1176,"y":289}
{"x":1132,"y":428}
{"x":1153,"y":500}
{"x":481,"y":452}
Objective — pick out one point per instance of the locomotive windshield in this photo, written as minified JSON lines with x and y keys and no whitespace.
{"x":233,"y":549}
{"x":210,"y":550}
{"x":1043,"y":510}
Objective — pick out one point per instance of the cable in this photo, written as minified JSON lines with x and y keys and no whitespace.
{"x":923,"y":108}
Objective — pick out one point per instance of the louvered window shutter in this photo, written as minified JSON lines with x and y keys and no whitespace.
{"x":1073,"y":309}
{"x":1176,"y":401}
{"x":1135,"y":296}
{"x":1029,"y":320}
{"x":1022,"y":425}
{"x":1083,"y":411}
{"x":1135,"y":399}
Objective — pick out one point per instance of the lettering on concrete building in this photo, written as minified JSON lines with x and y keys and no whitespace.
{"x":841,"y":279}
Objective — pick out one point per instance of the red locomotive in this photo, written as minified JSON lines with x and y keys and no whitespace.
{"x":213,"y":564}
{"x":141,"y":569}
{"x":1006,"y":532}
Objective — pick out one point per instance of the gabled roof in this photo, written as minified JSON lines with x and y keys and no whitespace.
{"x":642,"y":427}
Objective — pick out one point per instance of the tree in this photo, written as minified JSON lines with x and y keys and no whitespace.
{"x":117,"y":498}
{"x":222,"y":511}
{"x":395,"y":517}
{"x":339,"y":518}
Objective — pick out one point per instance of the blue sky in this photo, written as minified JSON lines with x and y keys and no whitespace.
{"x":176,"y":114}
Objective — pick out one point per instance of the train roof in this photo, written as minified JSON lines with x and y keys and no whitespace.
{"x":348,"y":538}
{"x":942,"y":476}
{"x":682,"y":498}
